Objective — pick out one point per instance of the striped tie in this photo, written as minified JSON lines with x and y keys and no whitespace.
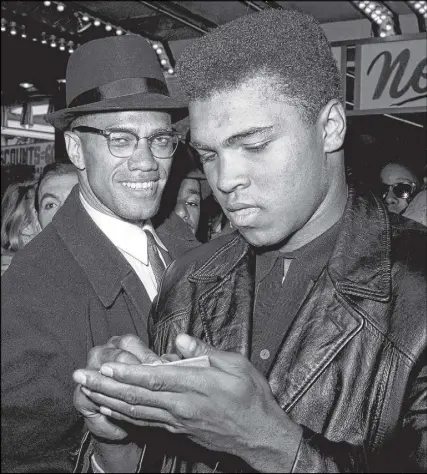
{"x":156,"y":263}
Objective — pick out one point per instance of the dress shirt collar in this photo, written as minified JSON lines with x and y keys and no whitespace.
{"x":129,"y":238}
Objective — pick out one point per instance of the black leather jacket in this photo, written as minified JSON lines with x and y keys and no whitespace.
{"x":352,"y":369}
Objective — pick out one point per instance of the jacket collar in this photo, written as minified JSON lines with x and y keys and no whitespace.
{"x":364,"y":236}
{"x":102,"y":262}
{"x":360,"y":263}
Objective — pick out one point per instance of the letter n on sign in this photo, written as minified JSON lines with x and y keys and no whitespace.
{"x":391,"y":76}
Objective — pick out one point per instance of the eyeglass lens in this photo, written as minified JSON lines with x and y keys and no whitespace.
{"x":123,"y":144}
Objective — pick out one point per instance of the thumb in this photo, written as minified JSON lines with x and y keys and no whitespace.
{"x":192,"y":347}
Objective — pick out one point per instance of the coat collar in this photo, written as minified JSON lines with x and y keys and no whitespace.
{"x":364,"y":237}
{"x":102,"y":262}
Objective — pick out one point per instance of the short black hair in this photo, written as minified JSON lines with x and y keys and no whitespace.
{"x":287,"y":44}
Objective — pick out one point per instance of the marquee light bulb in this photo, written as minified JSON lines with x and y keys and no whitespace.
{"x":108,"y":27}
{"x":85,"y":17}
{"x":47,"y":3}
{"x":60,"y":7}
{"x":97,"y":22}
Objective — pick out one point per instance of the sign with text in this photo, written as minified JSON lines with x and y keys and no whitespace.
{"x":36,"y":154}
{"x":391,"y":76}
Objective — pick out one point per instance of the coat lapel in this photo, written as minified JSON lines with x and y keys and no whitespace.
{"x":226,"y":317}
{"x":141,"y":301}
{"x":324,"y":325}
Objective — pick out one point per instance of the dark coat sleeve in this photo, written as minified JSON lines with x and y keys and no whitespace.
{"x":41,"y":345}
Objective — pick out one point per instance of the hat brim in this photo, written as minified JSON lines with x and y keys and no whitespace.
{"x":178,"y":108}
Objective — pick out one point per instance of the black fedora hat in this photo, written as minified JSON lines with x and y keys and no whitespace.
{"x":115,"y":73}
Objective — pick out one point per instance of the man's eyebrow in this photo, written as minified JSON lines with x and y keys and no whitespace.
{"x":234,"y":138}
{"x":49,"y":195}
{"x":133,"y":130}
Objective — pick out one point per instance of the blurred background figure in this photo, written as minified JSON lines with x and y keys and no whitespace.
{"x":188,"y":201}
{"x":19,"y":223}
{"x":399,"y":186}
{"x":54,"y":185}
{"x":417,"y":209}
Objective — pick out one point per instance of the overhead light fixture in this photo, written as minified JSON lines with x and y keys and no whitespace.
{"x":70,"y":45}
{"x":23,"y":33}
{"x":26,"y":85}
{"x":85,"y":17}
{"x":60,"y":7}
{"x":97,"y":22}
{"x":61,"y":81}
{"x":108,"y":27}
{"x":27,"y":119}
{"x":13,"y":28}
{"x":119,"y":31}
{"x":62,"y":44}
{"x":3,"y":24}
{"x":163,"y":62}
{"x":53,"y":41}
{"x":44,"y":40}
{"x":384,"y":21}
{"x":420,"y":10}
{"x":170,"y":71}
{"x":47,"y":3}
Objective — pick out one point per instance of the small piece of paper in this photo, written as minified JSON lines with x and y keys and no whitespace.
{"x":202,"y":361}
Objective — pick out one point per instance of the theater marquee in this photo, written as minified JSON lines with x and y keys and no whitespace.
{"x":391,"y":76}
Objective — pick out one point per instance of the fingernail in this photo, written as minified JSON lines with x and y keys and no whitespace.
{"x":186,"y":342}
{"x":79,"y":377}
{"x":107,"y":371}
{"x":105,"y":411}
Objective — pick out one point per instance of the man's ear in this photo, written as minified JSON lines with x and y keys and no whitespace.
{"x":74,"y":150}
{"x":334,"y":126}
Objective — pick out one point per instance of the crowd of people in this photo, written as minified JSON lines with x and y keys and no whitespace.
{"x":223,"y":302}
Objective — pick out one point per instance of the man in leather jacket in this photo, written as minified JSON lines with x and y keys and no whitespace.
{"x":312,"y":314}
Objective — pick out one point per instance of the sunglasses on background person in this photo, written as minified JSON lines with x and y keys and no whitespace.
{"x":400,"y":190}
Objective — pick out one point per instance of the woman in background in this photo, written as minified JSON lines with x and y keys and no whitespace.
{"x":19,"y":222}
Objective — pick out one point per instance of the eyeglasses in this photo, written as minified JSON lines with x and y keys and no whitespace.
{"x":122,"y":144}
{"x":400,"y":190}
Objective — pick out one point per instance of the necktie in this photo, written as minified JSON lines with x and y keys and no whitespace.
{"x":156,"y":263}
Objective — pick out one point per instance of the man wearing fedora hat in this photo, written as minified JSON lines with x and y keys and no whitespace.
{"x":94,"y":271}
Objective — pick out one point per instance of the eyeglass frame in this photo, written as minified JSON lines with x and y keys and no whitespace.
{"x":107,"y":133}
{"x":392,"y":186}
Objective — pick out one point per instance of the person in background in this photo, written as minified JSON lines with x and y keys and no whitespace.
{"x":399,"y":186}
{"x":54,"y":185}
{"x":19,"y":223}
{"x":188,"y":202}
{"x":417,"y":209}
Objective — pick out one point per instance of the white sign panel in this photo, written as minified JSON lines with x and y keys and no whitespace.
{"x":392,"y":75}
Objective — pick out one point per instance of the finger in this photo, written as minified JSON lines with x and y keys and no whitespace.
{"x":145,"y":422}
{"x":135,"y":346}
{"x":96,"y":382}
{"x":170,"y":357}
{"x":83,"y":404}
{"x":101,"y":354}
{"x":162,"y":378}
{"x":95,"y":421}
{"x":227,"y":361}
{"x":133,"y":411}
